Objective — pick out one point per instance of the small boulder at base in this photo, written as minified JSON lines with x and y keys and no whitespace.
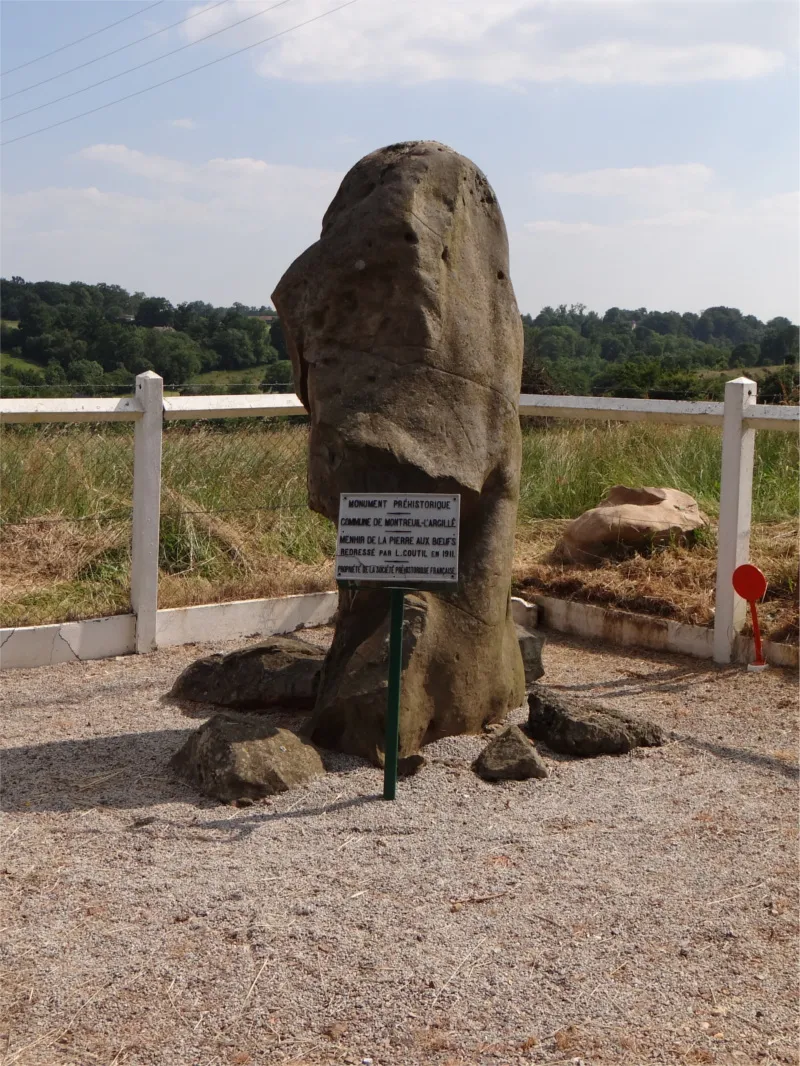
{"x":510,"y":756}
{"x":631,"y":520}
{"x":530,"y":645}
{"x":241,"y":756}
{"x":279,"y":672}
{"x":573,"y":726}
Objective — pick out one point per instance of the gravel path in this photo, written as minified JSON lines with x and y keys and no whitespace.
{"x":626,"y":910}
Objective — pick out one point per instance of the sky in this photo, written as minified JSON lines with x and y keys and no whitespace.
{"x":644,"y":154}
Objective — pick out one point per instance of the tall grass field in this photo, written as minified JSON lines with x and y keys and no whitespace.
{"x":235,"y":522}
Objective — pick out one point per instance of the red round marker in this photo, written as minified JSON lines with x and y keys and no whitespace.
{"x":750,"y":583}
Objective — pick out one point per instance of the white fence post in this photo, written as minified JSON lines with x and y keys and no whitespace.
{"x":735,"y":505}
{"x":146,"y":508}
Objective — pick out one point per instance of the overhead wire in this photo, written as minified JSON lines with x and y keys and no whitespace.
{"x":114,"y":51}
{"x":80,"y":40}
{"x":148,"y":62}
{"x":177,"y":77}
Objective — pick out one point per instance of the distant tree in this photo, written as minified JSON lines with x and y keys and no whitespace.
{"x":12,"y":291}
{"x":118,"y":346}
{"x":86,"y":372}
{"x":744,"y":355}
{"x":779,"y":344}
{"x":35,"y":316}
{"x":615,"y":349}
{"x":155,"y":311}
{"x":10,"y":337}
{"x":663,"y":322}
{"x":174,"y":356}
{"x":59,"y":345}
{"x":279,"y":373}
{"x":234,"y":349}
{"x":556,"y":342}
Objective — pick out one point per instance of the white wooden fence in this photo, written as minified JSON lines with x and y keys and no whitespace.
{"x":147,"y":627}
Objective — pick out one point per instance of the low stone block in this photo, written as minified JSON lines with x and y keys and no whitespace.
{"x":241,"y":756}
{"x":279,"y":672}
{"x":510,"y":756}
{"x":573,"y":726}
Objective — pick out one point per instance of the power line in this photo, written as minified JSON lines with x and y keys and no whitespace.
{"x":177,"y":77}
{"x":80,"y":40}
{"x":114,"y":51}
{"x":147,"y":62}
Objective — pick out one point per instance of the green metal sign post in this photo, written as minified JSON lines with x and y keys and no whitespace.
{"x":392,"y":743}
{"x":389,"y":538}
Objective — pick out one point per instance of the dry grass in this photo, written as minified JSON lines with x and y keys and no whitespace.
{"x":675,"y":583}
{"x":235,"y":522}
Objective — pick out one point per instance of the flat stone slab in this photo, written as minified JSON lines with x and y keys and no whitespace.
{"x":573,"y":726}
{"x":510,"y":756}
{"x":279,"y":672}
{"x":236,"y":756}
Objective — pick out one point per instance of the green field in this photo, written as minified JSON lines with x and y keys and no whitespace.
{"x":757,"y":373}
{"x":252,"y":375}
{"x":235,"y":522}
{"x":16,"y":362}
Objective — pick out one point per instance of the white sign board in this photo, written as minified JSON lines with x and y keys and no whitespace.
{"x":395,"y":538}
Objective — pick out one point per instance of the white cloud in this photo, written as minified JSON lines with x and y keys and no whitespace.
{"x":642,"y":184}
{"x":695,"y":244}
{"x":224,"y":229}
{"x":183,"y":123}
{"x":750,"y":265}
{"x":684,"y":194}
{"x":590,"y":42}
{"x":245,"y":183}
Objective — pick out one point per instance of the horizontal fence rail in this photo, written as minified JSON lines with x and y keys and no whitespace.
{"x":595,"y":408}
{"x":98,"y":409}
{"x":739,"y":417}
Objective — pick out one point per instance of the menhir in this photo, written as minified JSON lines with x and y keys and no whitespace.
{"x":406,"y":346}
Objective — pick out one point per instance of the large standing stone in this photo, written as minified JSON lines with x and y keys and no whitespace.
{"x":406,"y":345}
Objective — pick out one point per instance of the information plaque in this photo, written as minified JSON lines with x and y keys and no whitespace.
{"x":398,"y":539}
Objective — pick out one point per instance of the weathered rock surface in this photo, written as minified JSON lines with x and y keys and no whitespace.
{"x":574,"y":726}
{"x":279,"y":672}
{"x":510,"y":756}
{"x":236,"y":756}
{"x":530,"y":646}
{"x":631,"y":519}
{"x":406,"y":345}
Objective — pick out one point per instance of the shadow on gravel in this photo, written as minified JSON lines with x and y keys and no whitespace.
{"x":674,"y":679}
{"x":743,"y":755}
{"x":245,"y":824}
{"x":123,"y":771}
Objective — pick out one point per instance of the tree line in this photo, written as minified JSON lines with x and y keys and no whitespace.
{"x":655,"y":354}
{"x":98,"y":337}
{"x":103,"y":336}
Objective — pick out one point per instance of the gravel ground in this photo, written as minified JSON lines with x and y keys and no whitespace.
{"x":633,"y":909}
